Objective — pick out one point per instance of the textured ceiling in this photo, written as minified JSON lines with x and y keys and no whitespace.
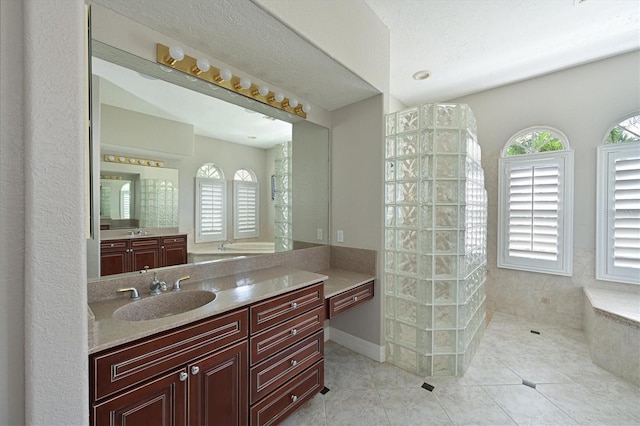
{"x":242,"y":35}
{"x":474,"y":45}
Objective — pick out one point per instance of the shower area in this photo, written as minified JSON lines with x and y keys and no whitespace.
{"x":435,"y":239}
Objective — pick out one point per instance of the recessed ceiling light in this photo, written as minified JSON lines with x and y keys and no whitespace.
{"x":252,"y":137}
{"x":421,"y":75}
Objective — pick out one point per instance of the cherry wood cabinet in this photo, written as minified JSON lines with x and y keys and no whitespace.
{"x":196,"y":374}
{"x":287,"y":353}
{"x":139,"y":253}
{"x":340,"y":303}
{"x":173,"y":250}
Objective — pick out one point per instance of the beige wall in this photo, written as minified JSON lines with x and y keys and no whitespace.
{"x":42,"y":238}
{"x":11,"y":214}
{"x":356,"y":200}
{"x":582,"y":102}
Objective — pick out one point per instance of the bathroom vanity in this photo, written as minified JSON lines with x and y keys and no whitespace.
{"x":253,"y":355}
{"x":137,"y":253}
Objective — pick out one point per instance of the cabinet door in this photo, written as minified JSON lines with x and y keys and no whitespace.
{"x":114,"y":257}
{"x":218,"y":388}
{"x":174,"y":250}
{"x":145,"y":253}
{"x":160,"y":402}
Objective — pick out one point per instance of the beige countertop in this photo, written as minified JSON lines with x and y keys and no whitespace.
{"x":232,"y":292}
{"x":123,"y":235}
{"x":340,"y":280}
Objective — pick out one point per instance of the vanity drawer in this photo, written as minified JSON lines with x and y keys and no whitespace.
{"x":283,"y":335}
{"x":174,"y":239}
{"x":116,"y":245}
{"x":275,"y":371}
{"x":117,"y":369}
{"x":349,"y":299}
{"x":282,"y":308}
{"x":284,"y":401}
{"x":145,"y":243}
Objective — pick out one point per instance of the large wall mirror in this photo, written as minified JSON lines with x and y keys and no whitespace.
{"x":153,"y":128}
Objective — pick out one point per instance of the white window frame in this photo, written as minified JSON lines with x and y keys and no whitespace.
{"x":220,"y":233}
{"x":605,"y":221}
{"x":246,"y":220}
{"x":563,"y":159}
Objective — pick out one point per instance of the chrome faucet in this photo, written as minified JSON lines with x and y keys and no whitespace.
{"x":222,"y":247}
{"x":156,"y":285}
{"x":176,"y":285}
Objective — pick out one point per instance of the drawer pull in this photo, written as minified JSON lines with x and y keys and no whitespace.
{"x":112,"y":245}
{"x":294,"y":332}
{"x":294,"y":398}
{"x":183,"y":376}
{"x":355,"y":298}
{"x":294,"y":362}
{"x":294,"y":305}
{"x":195,"y":369}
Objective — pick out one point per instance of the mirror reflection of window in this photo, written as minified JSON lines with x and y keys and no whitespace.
{"x":245,"y":205}
{"x":211,"y":200}
{"x":125,"y":201}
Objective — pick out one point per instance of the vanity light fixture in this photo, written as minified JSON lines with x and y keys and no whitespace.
{"x":134,"y":161}
{"x":175,"y":58}
{"x":175,"y":54}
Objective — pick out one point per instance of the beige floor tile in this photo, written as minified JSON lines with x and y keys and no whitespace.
{"x":470,"y":405}
{"x":412,"y":406}
{"x":354,"y":407}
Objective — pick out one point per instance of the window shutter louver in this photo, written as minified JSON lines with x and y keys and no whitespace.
{"x":246,"y":223}
{"x":626,"y":213}
{"x":210,"y":214}
{"x":533,"y":212}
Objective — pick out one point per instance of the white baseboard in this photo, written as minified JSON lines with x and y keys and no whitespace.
{"x":356,"y":344}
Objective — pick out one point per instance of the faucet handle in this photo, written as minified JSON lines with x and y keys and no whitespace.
{"x":133,"y":290}
{"x":176,"y":285}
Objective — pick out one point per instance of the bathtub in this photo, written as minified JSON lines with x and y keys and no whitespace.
{"x":202,"y":253}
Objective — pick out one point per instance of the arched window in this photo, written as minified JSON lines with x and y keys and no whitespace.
{"x":535,"y":198}
{"x":618,"y":203}
{"x":211,"y":201}
{"x":246,"y":202}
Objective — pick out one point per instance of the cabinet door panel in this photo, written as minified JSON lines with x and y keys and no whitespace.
{"x":218,"y":388}
{"x":161,"y":402}
{"x":114,"y":262}
{"x":174,"y":255}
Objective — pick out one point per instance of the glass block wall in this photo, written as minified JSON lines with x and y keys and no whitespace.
{"x":158,"y":203}
{"x":283,"y":198}
{"x":435,"y":239}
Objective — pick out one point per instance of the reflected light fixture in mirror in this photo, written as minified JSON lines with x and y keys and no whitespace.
{"x":175,"y":57}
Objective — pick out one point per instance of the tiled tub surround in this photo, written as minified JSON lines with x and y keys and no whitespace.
{"x":612,"y":326}
{"x":435,"y":239}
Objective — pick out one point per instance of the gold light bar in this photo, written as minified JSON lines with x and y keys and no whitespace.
{"x":188,"y":65}
{"x":110,"y":158}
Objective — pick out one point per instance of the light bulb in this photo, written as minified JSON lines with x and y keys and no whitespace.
{"x":263,"y":90}
{"x":203,"y":65}
{"x":226,"y":74}
{"x":293,"y":102}
{"x":176,"y":53}
{"x":279,"y":97}
{"x":306,"y":108}
{"x":245,"y":83}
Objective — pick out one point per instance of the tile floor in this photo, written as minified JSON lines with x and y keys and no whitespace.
{"x":570,"y":389}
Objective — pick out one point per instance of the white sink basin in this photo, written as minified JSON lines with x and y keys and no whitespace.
{"x":164,"y":305}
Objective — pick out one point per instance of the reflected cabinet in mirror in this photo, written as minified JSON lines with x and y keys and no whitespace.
{"x":183,"y":157}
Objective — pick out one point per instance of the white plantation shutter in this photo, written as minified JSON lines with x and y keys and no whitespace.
{"x":533,"y":212}
{"x":246,"y":202}
{"x":618,"y":248}
{"x":210,"y":209}
{"x":536,"y":193}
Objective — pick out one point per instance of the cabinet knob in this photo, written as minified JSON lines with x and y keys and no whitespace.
{"x":195,"y":369}
{"x":112,"y":245}
{"x":294,"y":332}
{"x":294,"y":362}
{"x":183,"y":376}
{"x":294,"y":398}
{"x":355,"y":298}
{"x":294,"y":305}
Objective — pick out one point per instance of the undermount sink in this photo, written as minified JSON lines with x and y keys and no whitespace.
{"x":164,"y":305}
